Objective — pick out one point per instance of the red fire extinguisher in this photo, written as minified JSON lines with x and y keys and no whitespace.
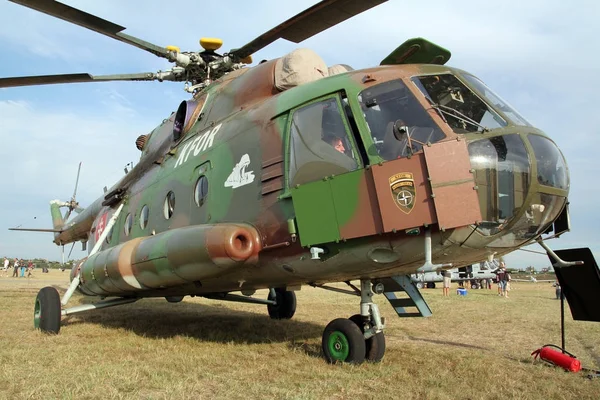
{"x":564,"y":360}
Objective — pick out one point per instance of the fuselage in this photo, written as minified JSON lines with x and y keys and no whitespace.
{"x":427,"y":147}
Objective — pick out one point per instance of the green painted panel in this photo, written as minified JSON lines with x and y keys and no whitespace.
{"x":315,"y":213}
{"x":345,"y":193}
{"x":417,"y":51}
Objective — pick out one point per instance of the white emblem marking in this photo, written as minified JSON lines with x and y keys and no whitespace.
{"x":239,"y":176}
{"x":405,"y":198}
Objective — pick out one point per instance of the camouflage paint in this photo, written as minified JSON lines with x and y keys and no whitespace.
{"x":365,"y":231}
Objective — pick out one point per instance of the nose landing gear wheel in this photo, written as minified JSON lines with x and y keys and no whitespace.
{"x":46,"y":315}
{"x":343,"y":342}
{"x":375,"y":345}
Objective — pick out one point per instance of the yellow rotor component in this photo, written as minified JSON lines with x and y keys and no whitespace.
{"x":210,"y":43}
{"x":247,"y":60}
{"x":173,"y":48}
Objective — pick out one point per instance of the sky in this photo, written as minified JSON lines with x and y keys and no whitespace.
{"x":541,"y":56}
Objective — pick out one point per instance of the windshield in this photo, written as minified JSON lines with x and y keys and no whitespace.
{"x":392,"y":106}
{"x":462,"y":109}
{"x":496,"y":100}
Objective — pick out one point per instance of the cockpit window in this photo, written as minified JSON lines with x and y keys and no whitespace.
{"x":496,"y":100}
{"x":501,"y":167}
{"x":320,"y":143}
{"x":551,"y":165}
{"x":398,"y":123}
{"x":462,"y":109}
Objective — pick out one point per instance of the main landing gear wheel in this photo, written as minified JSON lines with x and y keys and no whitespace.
{"x":286,"y":304}
{"x":419,"y":285}
{"x":174,"y":299}
{"x":343,"y":341}
{"x":375,"y":345}
{"x":46,"y":316}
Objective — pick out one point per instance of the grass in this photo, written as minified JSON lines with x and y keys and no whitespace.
{"x":473,"y":347}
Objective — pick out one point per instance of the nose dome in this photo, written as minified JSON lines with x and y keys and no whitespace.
{"x":517,"y":187}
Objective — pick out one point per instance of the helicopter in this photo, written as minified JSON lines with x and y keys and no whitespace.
{"x":290,"y":173}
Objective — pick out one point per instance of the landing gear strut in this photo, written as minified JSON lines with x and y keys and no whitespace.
{"x":358,"y":338}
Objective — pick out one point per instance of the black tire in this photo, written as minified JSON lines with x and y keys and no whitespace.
{"x":343,"y":341}
{"x":46,"y":314}
{"x":375,"y":345}
{"x":430,"y":285}
{"x":286,"y":304}
{"x":174,"y":299}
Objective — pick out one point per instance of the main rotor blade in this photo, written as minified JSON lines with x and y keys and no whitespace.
{"x":92,"y":22}
{"x":35,"y":230}
{"x":309,"y":22}
{"x":72,"y":78}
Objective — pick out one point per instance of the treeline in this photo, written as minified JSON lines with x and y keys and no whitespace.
{"x":42,"y":263}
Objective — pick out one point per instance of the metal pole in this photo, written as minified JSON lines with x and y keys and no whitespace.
{"x":428,"y":266}
{"x":562,"y":319}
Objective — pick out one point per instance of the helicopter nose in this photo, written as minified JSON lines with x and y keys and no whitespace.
{"x":522,"y":189}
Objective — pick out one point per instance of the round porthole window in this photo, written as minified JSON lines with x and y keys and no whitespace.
{"x":144,"y":217}
{"x":169,"y":205}
{"x":201,"y":190}
{"x":128,"y":224}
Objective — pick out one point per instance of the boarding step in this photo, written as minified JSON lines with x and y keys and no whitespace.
{"x":394,"y":285}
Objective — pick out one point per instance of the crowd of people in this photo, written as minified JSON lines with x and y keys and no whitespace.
{"x":502,"y":279}
{"x":19,"y":268}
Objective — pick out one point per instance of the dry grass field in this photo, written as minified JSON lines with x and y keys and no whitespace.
{"x":473,"y":347}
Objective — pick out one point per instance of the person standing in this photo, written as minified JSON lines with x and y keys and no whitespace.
{"x":16,"y":268}
{"x":503,"y":279}
{"x":558,"y":290}
{"x":6,"y":265}
{"x":447,"y":282}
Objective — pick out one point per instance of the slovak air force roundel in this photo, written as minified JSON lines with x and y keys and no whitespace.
{"x":403,"y":190}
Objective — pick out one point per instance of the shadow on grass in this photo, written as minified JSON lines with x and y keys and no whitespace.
{"x":447,"y":343}
{"x":212,"y":323}
{"x":310,"y":349}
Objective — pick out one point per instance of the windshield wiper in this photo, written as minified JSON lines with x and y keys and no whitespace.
{"x":457,"y":114}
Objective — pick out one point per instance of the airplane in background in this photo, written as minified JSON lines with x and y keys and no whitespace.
{"x":483,"y":270}
{"x":533,"y":279}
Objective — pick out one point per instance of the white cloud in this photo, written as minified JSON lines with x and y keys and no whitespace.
{"x":40,"y":152}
